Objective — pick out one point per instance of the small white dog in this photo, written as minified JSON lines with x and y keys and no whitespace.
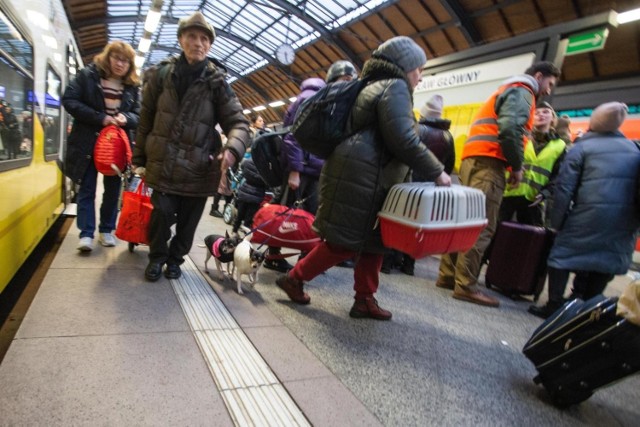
{"x":246,"y":261}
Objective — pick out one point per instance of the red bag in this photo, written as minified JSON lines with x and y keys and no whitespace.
{"x":133,"y":224}
{"x":112,"y":147}
{"x":289,"y":230}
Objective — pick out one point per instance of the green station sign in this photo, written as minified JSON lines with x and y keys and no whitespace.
{"x":586,"y":42}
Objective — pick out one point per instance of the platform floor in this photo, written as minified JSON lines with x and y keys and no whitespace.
{"x":101,"y":346}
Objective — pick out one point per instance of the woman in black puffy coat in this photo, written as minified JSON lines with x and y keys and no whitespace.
{"x":104,"y":93}
{"x":357,"y":176}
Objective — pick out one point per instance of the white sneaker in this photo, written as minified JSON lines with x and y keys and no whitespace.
{"x":85,"y":244}
{"x":107,"y":239}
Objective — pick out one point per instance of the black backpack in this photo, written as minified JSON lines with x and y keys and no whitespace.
{"x":320,"y":123}
{"x":265,"y":152}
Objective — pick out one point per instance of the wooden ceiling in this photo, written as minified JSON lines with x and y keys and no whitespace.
{"x":441,"y":27}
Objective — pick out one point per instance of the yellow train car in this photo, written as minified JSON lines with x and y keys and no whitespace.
{"x":37,"y":59}
{"x":461,"y":117}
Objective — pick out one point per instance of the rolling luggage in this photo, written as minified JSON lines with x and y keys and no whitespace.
{"x":582,"y":347}
{"x":518,"y":259}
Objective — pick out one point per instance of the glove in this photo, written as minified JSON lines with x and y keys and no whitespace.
{"x":538,"y":199}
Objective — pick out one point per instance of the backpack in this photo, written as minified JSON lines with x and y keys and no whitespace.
{"x":320,"y":123}
{"x":265,"y":152}
{"x":112,"y":148}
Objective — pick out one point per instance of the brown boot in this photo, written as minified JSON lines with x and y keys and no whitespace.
{"x":441,"y":283}
{"x":475,"y":296}
{"x":293,"y":288}
{"x":368,"y":307}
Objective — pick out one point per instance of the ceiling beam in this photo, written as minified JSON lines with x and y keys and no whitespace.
{"x":467,"y":27}
{"x":326,"y":34}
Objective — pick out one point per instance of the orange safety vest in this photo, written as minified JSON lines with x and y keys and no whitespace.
{"x":483,"y":135}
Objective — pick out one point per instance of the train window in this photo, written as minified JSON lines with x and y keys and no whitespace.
{"x":16,"y":85}
{"x":51,"y":121}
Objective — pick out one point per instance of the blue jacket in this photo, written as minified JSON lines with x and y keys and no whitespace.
{"x":294,"y":158}
{"x":594,"y":208}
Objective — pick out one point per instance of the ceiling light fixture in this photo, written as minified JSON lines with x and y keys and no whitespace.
{"x":153,"y":16}
{"x":629,"y":16}
{"x":145,"y":44}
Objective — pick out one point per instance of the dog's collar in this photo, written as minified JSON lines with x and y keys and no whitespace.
{"x":215,"y":249}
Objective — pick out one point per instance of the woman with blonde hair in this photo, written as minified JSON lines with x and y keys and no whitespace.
{"x":103,"y":93}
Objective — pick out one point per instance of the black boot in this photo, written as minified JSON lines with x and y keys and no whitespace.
{"x":214,"y":206}
{"x":408,"y":265}
{"x":545,"y":311}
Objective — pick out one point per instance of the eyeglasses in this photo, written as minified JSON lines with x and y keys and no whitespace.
{"x":119,"y":59}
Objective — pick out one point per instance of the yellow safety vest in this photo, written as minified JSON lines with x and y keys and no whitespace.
{"x":537,"y":169}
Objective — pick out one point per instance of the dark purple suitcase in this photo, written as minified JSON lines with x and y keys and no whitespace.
{"x":518,"y":259}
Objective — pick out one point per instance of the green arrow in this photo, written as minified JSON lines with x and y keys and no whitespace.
{"x":595,"y":40}
{"x":586,"y":42}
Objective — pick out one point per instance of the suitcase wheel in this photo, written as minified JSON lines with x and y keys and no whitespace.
{"x":562,"y":399}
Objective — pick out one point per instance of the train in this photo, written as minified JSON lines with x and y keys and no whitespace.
{"x":38,"y":57}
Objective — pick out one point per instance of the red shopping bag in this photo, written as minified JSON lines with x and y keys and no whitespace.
{"x":133,"y":224}
{"x":279,"y":226}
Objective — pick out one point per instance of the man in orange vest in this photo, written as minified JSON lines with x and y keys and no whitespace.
{"x":496,"y":143}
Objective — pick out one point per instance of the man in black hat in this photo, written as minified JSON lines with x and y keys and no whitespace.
{"x":184,"y":97}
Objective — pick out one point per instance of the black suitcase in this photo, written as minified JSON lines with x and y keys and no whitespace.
{"x":518,"y":259}
{"x":582,"y":347}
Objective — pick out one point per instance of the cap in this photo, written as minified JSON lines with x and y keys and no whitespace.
{"x":544,"y":104}
{"x":339,"y":69}
{"x":197,"y":20}
{"x":403,"y":52}
{"x":433,"y":107}
{"x":608,"y":117}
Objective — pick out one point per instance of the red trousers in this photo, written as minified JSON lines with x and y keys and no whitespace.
{"x":366,"y":273}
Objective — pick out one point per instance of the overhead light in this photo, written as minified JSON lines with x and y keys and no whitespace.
{"x":152,"y":21}
{"x":144,"y":45}
{"x":259,"y":108}
{"x":629,"y":16}
{"x":293,"y":99}
{"x":50,"y":41}
{"x":38,"y":19}
{"x":139,"y":61}
{"x":246,"y":111}
{"x":276,"y":104}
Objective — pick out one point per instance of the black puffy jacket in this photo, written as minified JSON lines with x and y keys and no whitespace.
{"x":84,"y":100}
{"x":253,"y":188}
{"x":176,"y":141}
{"x":434,"y":133}
{"x":357,"y":176}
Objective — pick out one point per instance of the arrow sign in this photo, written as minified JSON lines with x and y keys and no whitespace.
{"x":586,"y":42}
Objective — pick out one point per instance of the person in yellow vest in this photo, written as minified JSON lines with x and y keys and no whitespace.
{"x":542,"y":158}
{"x":496,"y":143}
